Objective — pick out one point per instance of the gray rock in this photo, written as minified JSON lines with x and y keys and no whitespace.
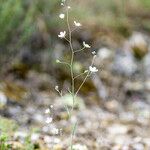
{"x":147,"y":64}
{"x":124,"y":63}
{"x":3,"y":100}
{"x":104,"y":53}
{"x":20,"y":135}
{"x":138,"y":44}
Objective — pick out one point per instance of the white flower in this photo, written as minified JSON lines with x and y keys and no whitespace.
{"x":47,"y":111}
{"x":94,"y":53}
{"x":68,"y":7}
{"x":85,"y":71}
{"x":57,"y":88}
{"x":49,"y":120}
{"x":79,"y":147}
{"x":86,"y":45}
{"x":93,"y":69}
{"x":62,"y":34}
{"x":62,"y":2}
{"x":77,"y":24}
{"x":51,"y":106}
{"x":55,"y":131}
{"x":62,"y":16}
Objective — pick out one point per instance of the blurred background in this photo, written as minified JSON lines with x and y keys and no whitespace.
{"x":119,"y":32}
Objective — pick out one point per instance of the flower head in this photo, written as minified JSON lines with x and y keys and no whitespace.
{"x":49,"y":120}
{"x":47,"y":111}
{"x":69,"y":7}
{"x":51,"y":106}
{"x":62,"y":2}
{"x":77,"y":24}
{"x":62,"y":34}
{"x":55,"y":131}
{"x":62,"y":16}
{"x":94,"y":53}
{"x":86,"y":45}
{"x":57,"y":88}
{"x":93,"y":69}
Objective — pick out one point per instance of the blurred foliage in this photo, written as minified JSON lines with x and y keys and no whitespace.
{"x":19,"y":19}
{"x":3,"y":142}
{"x":7,"y":125}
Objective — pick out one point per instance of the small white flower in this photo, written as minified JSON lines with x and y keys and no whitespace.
{"x":56,"y":140}
{"x":51,"y":106}
{"x":68,"y":7}
{"x":62,"y":16}
{"x":57,"y":88}
{"x":62,"y":4}
{"x":49,"y":120}
{"x":57,"y":61}
{"x":93,"y":69}
{"x":77,"y":24}
{"x":86,"y":45}
{"x":62,"y":34}
{"x":94,"y":53}
{"x":47,"y":111}
{"x":55,"y":131}
{"x":85,"y":71}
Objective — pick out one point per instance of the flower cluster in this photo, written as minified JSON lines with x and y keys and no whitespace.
{"x":67,"y":35}
{"x":63,"y":35}
{"x":49,"y":120}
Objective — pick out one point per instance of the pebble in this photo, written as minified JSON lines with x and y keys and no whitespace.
{"x":104,"y":53}
{"x":21,"y":135}
{"x":3,"y":100}
{"x":124,"y":63}
{"x":79,"y":147}
{"x":138,"y":45}
{"x":35,"y":137}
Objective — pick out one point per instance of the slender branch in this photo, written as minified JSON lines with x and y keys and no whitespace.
{"x":72,"y":59}
{"x":64,"y":63}
{"x":88,"y":74}
{"x":82,"y":83}
{"x":66,"y":39}
{"x":80,"y":75}
{"x":79,"y":50}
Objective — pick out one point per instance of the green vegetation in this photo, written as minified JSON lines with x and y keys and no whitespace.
{"x":7,"y":125}
{"x":3,"y":142}
{"x":19,"y":20}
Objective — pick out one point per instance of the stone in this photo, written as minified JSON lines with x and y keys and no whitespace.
{"x":20,"y":135}
{"x":104,"y":53}
{"x":3,"y":100}
{"x":138,"y":45}
{"x":147,"y":65}
{"x":35,"y":137}
{"x":124,"y":63}
{"x":79,"y":147}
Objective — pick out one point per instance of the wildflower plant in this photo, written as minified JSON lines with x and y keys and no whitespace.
{"x":67,"y":35}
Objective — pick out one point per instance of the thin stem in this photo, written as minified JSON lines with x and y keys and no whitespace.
{"x":72,"y":135}
{"x":79,"y":50}
{"x":64,"y":63}
{"x":66,"y":39}
{"x":72,"y":59}
{"x":89,"y":72}
{"x":82,"y":83}
{"x":65,"y":106}
{"x":80,"y":75}
{"x":72,"y":74}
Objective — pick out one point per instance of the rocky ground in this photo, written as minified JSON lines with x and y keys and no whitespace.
{"x":112,"y":111}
